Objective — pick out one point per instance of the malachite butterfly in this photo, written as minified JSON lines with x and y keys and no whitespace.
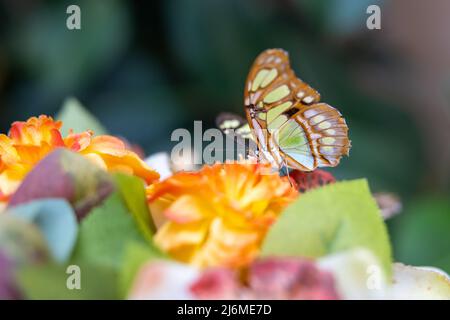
{"x":285,"y":118}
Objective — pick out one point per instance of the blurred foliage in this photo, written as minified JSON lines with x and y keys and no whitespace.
{"x":421,"y":234}
{"x":145,"y":68}
{"x":48,"y":282}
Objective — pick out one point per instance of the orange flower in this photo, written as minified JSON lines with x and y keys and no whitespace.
{"x":219,"y":215}
{"x":28,"y":142}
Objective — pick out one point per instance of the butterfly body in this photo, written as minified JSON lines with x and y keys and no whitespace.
{"x":288,"y":123}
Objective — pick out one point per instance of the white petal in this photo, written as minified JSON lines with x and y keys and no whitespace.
{"x":161,"y":280}
{"x":419,"y":283}
{"x":161,"y":163}
{"x":357,"y":273}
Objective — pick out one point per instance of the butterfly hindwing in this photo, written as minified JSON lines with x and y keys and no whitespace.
{"x":293,"y":143}
{"x":315,"y":136}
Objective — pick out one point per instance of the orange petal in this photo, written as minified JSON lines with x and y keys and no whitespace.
{"x":157,"y":209}
{"x":8,"y":153}
{"x":108,"y":145}
{"x":182,"y":182}
{"x":172,"y":235}
{"x":78,"y":141}
{"x":186,"y":209}
{"x":130,"y":163}
{"x":30,"y":154}
{"x":36,"y":130}
{"x":228,"y":247}
{"x":117,"y":158}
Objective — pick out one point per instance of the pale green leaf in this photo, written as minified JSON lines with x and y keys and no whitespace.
{"x":330,"y":219}
{"x":74,"y":116}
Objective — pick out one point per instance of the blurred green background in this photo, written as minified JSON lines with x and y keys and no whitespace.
{"x":145,"y":68}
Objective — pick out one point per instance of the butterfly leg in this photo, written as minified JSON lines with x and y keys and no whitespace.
{"x":287,"y":171}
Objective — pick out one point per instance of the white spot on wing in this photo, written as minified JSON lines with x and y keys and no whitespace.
{"x":308,"y":99}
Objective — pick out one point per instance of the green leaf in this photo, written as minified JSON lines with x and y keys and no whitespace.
{"x":105,"y":232}
{"x":135,"y":256}
{"x":421,"y":234}
{"x":49,"y":282}
{"x":74,"y":116}
{"x":330,"y":219}
{"x":57,"y":222}
{"x":133,"y":194}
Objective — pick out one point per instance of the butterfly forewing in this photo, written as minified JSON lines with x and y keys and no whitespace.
{"x":238,"y":129}
{"x":272,"y":83}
